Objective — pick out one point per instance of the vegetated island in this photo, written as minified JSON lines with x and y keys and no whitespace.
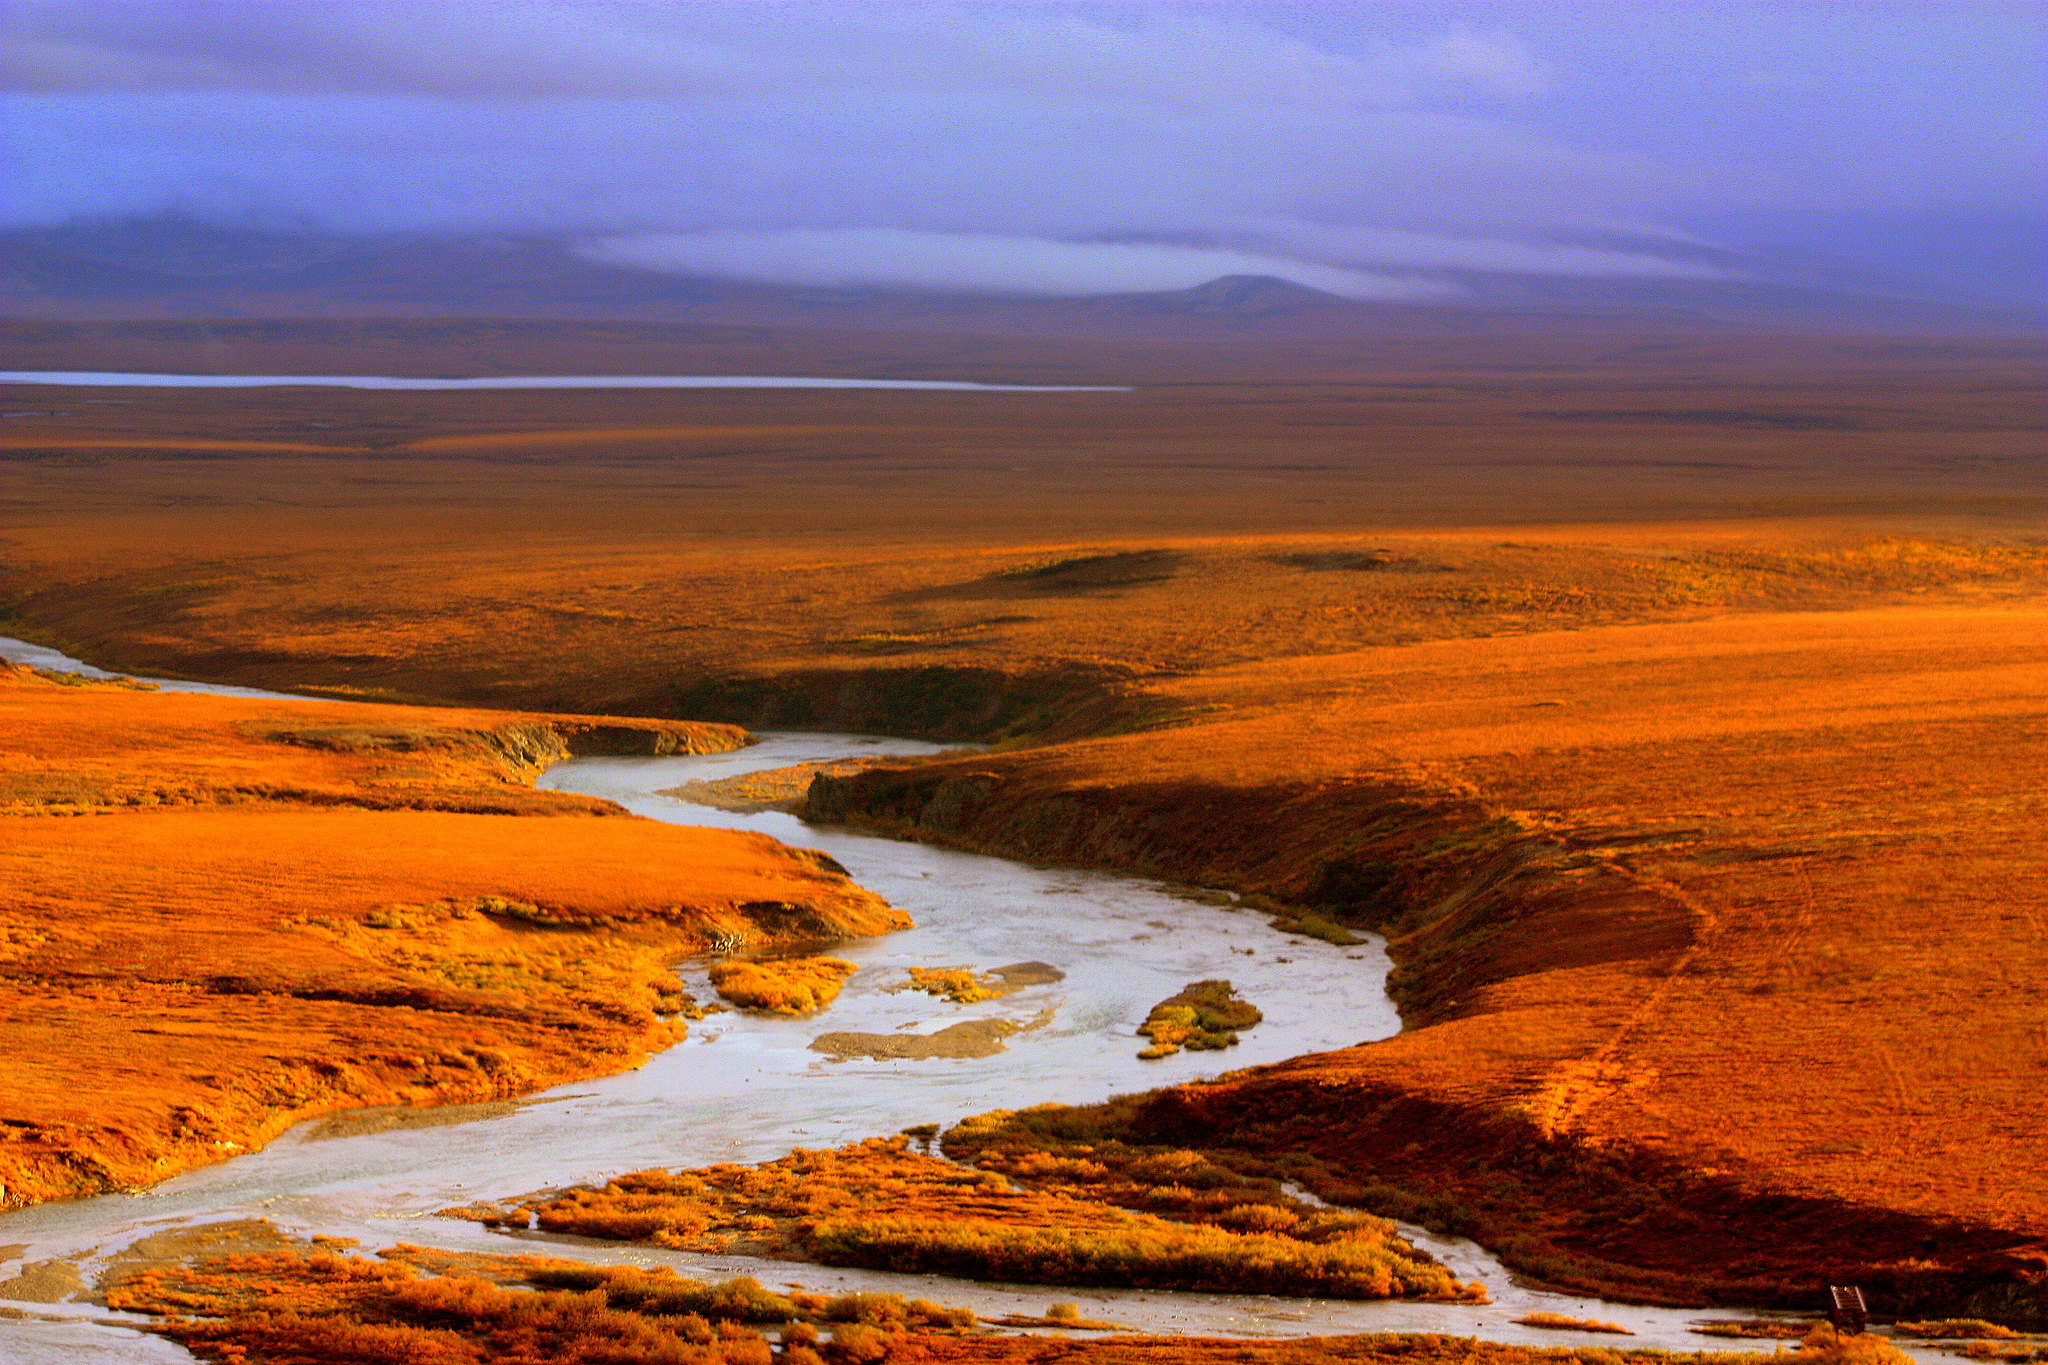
{"x":1564,"y":1322}
{"x":1156,"y":1219}
{"x":221,"y":915}
{"x":783,"y":985}
{"x":1204,"y":1016}
{"x":780,"y":789}
{"x":965,"y":986}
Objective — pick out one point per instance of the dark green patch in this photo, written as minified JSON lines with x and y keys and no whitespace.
{"x":1084,"y":572}
{"x":1352,"y":561}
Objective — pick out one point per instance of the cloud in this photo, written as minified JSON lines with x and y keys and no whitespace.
{"x":979,"y":262}
{"x":637,"y":50}
{"x":1496,"y":61}
{"x":1435,"y":251}
{"x":1042,"y":120}
{"x":1380,"y":139}
{"x":940,"y":163}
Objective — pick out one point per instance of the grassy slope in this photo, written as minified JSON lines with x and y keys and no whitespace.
{"x":1748,"y":901}
{"x":223,"y":915}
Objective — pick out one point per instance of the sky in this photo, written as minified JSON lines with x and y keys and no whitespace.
{"x":1364,"y":149}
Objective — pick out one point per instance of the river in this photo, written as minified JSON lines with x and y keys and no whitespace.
{"x":122,"y":379}
{"x":748,"y":1088}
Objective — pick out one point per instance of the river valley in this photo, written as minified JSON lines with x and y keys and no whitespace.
{"x":746,"y":1087}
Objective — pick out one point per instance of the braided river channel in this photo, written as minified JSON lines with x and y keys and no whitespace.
{"x":744,"y":1087}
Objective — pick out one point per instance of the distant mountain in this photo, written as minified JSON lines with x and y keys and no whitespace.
{"x":1239,"y":296}
{"x":177,"y":268}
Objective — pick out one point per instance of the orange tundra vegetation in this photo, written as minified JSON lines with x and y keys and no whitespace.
{"x":1702,"y":929}
{"x":1417,"y":1349}
{"x":967,"y":564}
{"x":1157,"y":1220}
{"x":413,"y":1306}
{"x":309,"y":1304}
{"x":1674,"y":703}
{"x":220,"y":915}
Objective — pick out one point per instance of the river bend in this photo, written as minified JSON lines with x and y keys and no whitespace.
{"x":747,"y":1088}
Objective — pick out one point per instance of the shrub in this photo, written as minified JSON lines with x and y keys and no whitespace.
{"x":856,"y":1343}
{"x":664,"y":1293}
{"x":791,"y":985}
{"x":957,"y":984}
{"x":1825,"y":1346}
{"x":1955,"y":1329}
{"x":893,"y":1310}
{"x":2003,"y":1354}
{"x":1204,"y":1017}
{"x":1309,"y":924}
{"x":1150,"y":1254}
{"x":1559,"y":1322}
{"x":1756,"y":1328}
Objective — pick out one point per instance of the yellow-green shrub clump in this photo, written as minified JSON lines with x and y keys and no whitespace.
{"x":1754,"y":1329}
{"x":1825,"y":1346}
{"x":791,"y":985}
{"x":1203,"y":1017}
{"x":1558,"y":1322}
{"x":961,"y":985}
{"x":1955,"y":1329}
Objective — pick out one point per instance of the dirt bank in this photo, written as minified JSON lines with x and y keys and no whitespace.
{"x":779,"y":789}
{"x":969,"y":1038}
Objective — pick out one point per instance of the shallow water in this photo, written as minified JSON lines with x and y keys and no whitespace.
{"x":748,"y":1088}
{"x":58,"y":1342}
{"x":745,"y":1087}
{"x":42,"y":656}
{"x":120,"y":379}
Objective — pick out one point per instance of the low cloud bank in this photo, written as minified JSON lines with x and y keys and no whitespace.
{"x":1431,"y":251}
{"x":892,"y":258}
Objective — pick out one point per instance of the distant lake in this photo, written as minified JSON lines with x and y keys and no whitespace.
{"x":116,"y":379}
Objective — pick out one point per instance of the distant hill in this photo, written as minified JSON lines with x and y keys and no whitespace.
{"x":177,"y":268}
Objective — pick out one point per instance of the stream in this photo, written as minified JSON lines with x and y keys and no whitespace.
{"x":120,"y":379}
{"x":748,"y":1088}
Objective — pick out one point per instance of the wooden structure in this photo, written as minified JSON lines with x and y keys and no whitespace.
{"x":1846,"y":1309}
